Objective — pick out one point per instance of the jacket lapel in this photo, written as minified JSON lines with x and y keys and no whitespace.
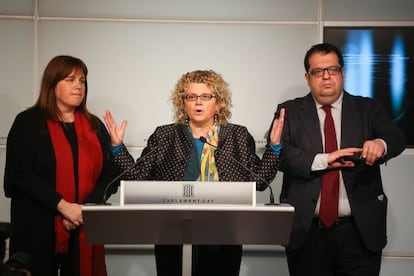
{"x":309,"y":117}
{"x":349,"y":122}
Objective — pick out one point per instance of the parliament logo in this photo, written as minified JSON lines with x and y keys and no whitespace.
{"x":188,"y":190}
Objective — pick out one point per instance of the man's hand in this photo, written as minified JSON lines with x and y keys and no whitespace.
{"x":372,"y":150}
{"x":337,"y":159}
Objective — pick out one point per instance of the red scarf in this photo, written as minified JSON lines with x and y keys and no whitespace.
{"x":92,"y":257}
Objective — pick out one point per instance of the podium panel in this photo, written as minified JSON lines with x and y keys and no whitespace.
{"x":187,"y":192}
{"x":188,"y":224}
{"x":203,"y":219}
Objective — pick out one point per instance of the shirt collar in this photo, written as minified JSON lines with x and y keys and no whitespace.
{"x":336,"y":105}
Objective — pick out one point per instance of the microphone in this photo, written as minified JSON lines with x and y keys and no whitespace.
{"x":105,"y":196}
{"x":272,"y":198}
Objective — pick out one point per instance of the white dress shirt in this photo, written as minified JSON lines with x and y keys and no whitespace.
{"x":320,"y":161}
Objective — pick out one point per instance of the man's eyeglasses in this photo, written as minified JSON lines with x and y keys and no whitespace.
{"x":319,"y":72}
{"x":203,"y":97}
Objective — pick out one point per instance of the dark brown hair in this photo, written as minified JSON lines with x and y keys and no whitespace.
{"x":325,"y":48}
{"x":56,"y":70}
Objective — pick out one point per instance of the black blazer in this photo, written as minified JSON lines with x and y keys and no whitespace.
{"x":172,"y":156}
{"x":362,"y":119}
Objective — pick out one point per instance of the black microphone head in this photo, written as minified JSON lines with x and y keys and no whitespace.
{"x":203,"y":139}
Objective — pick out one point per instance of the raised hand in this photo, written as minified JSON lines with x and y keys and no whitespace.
{"x":116,"y":133}
{"x":277,"y":128}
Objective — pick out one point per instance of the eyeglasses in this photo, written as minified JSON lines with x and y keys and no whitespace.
{"x":319,"y":72}
{"x":203,"y":97}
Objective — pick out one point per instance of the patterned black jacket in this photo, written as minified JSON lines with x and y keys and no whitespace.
{"x":172,"y":150}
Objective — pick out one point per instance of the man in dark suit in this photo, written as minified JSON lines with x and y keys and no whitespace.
{"x":349,"y":240}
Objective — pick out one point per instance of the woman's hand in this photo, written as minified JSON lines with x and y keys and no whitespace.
{"x":277,"y":128}
{"x":71,"y":211}
{"x":68,"y":225}
{"x":116,"y":133}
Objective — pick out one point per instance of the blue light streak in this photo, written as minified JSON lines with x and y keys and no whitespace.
{"x":359,"y":62}
{"x":398,"y":79}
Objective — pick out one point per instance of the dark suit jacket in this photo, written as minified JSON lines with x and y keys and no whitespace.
{"x":29,"y":180}
{"x":171,"y":158}
{"x":362,"y":119}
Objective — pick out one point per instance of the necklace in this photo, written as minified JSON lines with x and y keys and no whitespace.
{"x":67,"y":118}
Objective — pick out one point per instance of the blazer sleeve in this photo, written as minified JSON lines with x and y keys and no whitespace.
{"x":30,"y":165}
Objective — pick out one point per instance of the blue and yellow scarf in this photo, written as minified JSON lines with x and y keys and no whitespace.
{"x":208,"y":169}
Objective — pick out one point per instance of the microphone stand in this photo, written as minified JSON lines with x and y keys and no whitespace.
{"x":105,"y":196}
{"x":271,"y":197}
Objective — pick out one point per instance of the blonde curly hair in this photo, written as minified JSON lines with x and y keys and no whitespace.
{"x":215,"y":82}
